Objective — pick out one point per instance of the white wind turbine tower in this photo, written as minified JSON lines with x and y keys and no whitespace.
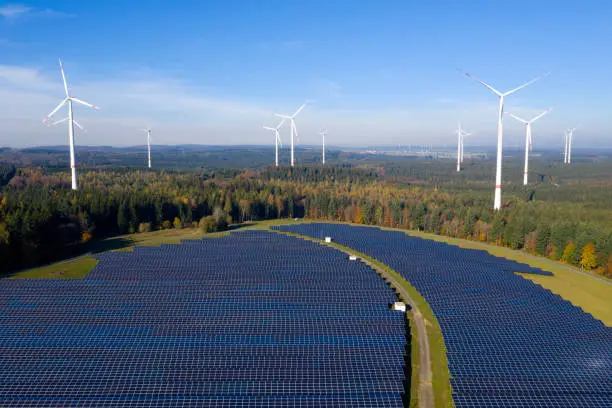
{"x":569,"y":139}
{"x":71,"y":122}
{"x":323,"y":133}
{"x":293,"y":128}
{"x":500,"y":132}
{"x":460,"y":135}
{"x":528,"y":140}
{"x":277,"y":138}
{"x":148,"y":130}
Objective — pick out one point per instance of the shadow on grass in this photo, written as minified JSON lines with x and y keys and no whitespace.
{"x":110,"y":244}
{"x":116,"y":243}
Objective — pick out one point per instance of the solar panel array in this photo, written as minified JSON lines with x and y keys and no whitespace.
{"x":256,"y":319}
{"x":510,"y":343}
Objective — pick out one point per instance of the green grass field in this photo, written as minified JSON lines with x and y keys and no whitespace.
{"x":71,"y":269}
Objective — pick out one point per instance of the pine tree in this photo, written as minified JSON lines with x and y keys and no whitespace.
{"x":542,"y":238}
{"x":123,"y":217}
{"x":497,"y":228}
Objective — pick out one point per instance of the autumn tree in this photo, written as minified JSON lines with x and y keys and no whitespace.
{"x":177,"y":223}
{"x":569,"y":253}
{"x":588,"y":259}
{"x":358,"y":217}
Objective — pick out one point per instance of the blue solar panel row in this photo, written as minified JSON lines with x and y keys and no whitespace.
{"x":510,"y":343}
{"x":255,"y":319}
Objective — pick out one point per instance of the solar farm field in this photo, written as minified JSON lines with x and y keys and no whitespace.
{"x":255,"y":319}
{"x":510,"y":343}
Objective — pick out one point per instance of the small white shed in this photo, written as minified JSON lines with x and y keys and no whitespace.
{"x":352,"y":258}
{"x":328,"y":239}
{"x":401,"y":306}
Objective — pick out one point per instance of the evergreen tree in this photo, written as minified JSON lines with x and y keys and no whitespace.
{"x":542,"y":238}
{"x":497,"y":229}
{"x":123,"y":222}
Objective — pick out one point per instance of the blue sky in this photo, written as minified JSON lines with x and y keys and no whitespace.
{"x":378,"y":72}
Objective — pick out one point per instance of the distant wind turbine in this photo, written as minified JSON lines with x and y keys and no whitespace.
{"x":460,"y":135}
{"x":323,"y":133}
{"x":528,"y":141}
{"x":293,"y":128}
{"x":500,"y":132}
{"x":71,"y":122}
{"x":569,"y":139}
{"x":148,"y":130}
{"x":277,"y":138}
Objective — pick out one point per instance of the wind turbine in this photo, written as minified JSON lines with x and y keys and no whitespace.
{"x":528,"y":140}
{"x":71,"y":122}
{"x":500,"y":132}
{"x":323,"y":133}
{"x":460,"y":135}
{"x":277,"y":138}
{"x":293,"y":128}
{"x":569,"y":139}
{"x":148,"y":130}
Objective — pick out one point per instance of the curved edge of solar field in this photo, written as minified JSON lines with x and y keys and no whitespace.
{"x":510,"y":342}
{"x":430,"y":385}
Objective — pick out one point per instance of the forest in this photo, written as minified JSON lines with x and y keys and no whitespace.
{"x":563,"y":216}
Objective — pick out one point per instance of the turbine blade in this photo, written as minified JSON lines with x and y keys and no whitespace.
{"x":64,"y":77}
{"x":79,"y":126}
{"x":282,"y":122}
{"x":84,"y":103}
{"x":56,"y":122}
{"x":467,"y":74}
{"x":55,"y":110}
{"x":300,"y":109}
{"x":517,"y":118}
{"x":541,"y":114}
{"x":279,"y":139}
{"x":527,"y":83}
{"x":295,"y":132}
{"x":268,"y":128}
{"x":282,"y":116}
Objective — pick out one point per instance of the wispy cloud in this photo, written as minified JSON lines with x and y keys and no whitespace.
{"x":14,"y":10}
{"x":182,"y":113}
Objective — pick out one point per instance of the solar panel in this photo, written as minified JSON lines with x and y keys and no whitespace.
{"x":255,"y":319}
{"x":510,"y":343}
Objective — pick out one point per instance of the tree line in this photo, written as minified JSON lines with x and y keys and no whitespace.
{"x":42,"y":220}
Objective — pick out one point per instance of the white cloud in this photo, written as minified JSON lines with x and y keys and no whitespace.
{"x":180,"y":113}
{"x":14,"y":10}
